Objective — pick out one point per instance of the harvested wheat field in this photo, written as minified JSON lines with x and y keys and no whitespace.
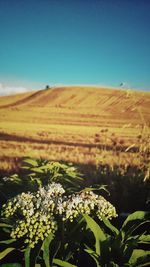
{"x":75,"y":124}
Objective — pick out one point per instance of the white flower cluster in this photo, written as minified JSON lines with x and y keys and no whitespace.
{"x":87,"y":202}
{"x":105,"y":208}
{"x":36,"y":212}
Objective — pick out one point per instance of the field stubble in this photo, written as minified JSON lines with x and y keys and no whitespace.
{"x":108,"y":127}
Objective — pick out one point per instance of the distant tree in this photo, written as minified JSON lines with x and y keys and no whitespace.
{"x":122,"y":84}
{"x":47,"y":87}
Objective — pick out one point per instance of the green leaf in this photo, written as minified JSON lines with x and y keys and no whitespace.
{"x":45,"y":247}
{"x":131,"y":244}
{"x":6,"y":230}
{"x":137,"y":215}
{"x":5,"y":225}
{"x":90,"y":251}
{"x":93,"y":255}
{"x":113,"y":264}
{"x":109,"y":225}
{"x":31,"y":162}
{"x":45,"y":167}
{"x":63,"y":263}
{"x":27,"y":256}
{"x":97,"y":231}
{"x":38,"y":181}
{"x":8,"y":241}
{"x":37,"y":169}
{"x":5,"y":252}
{"x":144,"y":238}
{"x":139,"y":257}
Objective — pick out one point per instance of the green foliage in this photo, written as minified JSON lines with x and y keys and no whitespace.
{"x":54,"y":224}
{"x":34,"y":216}
{"x":27,"y":256}
{"x":37,"y":173}
{"x":5,"y":252}
{"x":44,"y":172}
{"x":112,"y":246}
{"x":63,"y":263}
{"x":120,"y":247}
{"x":46,"y":225}
{"x":46,"y":251}
{"x":98,"y":233}
{"x":140,"y":258}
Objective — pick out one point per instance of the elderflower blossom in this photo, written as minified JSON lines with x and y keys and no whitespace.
{"x":85,"y":203}
{"x":78,"y":204}
{"x":105,"y":208}
{"x":36,"y":212}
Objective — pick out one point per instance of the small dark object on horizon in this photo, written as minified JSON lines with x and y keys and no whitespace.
{"x":47,"y":87}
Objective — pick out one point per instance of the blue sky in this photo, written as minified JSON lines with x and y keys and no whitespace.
{"x":101,"y":42}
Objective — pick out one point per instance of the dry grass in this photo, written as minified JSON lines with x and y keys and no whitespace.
{"x":82,"y":125}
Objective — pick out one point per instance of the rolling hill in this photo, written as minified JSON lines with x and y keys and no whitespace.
{"x":77,"y":124}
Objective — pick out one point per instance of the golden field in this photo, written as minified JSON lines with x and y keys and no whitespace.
{"x":75,"y":124}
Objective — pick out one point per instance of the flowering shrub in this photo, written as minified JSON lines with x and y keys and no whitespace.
{"x":51,"y":222}
{"x":35,"y":215}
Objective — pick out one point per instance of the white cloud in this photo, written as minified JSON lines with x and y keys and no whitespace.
{"x":10,"y":90}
